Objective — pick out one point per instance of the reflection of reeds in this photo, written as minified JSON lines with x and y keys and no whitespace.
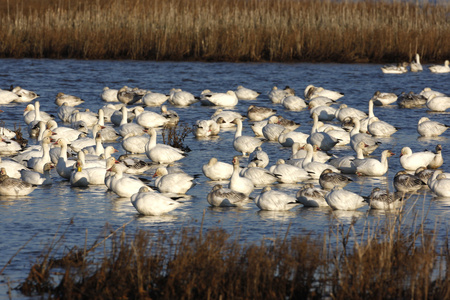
{"x":388,"y":260}
{"x":271,"y":30}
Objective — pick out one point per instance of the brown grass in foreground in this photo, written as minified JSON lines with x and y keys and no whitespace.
{"x":386,"y":261}
{"x":226,"y":30}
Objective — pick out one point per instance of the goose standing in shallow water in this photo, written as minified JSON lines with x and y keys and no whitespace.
{"x":14,"y":186}
{"x":217,"y":170}
{"x":239,"y":183}
{"x":174,"y":183}
{"x":407,"y":183}
{"x":161,"y":153}
{"x":415,"y":65}
{"x":382,"y":199}
{"x":440,"y":68}
{"x":244,"y":143}
{"x":150,"y":203}
{"x":311,"y":196}
{"x":428,"y":128}
{"x":270,"y":199}
{"x":374,"y":167}
{"x":224,"y":197}
{"x":329,"y":179}
{"x":340,"y":199}
{"x":123,"y":185}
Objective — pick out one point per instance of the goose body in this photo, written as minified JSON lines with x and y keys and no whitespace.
{"x":383,"y":98}
{"x":239,"y":183}
{"x":311,"y":92}
{"x":228,"y":99}
{"x":176,"y":183}
{"x":181,"y":98}
{"x":382,"y":199}
{"x":243,"y":143}
{"x":329,"y":179}
{"x":259,"y":113}
{"x":380,"y":128}
{"x":123,"y":185}
{"x":70,"y":100}
{"x":395,"y":69}
{"x":294,"y":103}
{"x":36,"y":178}
{"x":440,"y":184}
{"x":311,"y":196}
{"x":438,"y":103}
{"x":24,"y":95}
{"x":371,"y":144}
{"x":287,"y":138}
{"x":286,"y":173}
{"x":225,"y":197}
{"x":243,"y":93}
{"x":206,"y":128}
{"x":411,"y":161}
{"x":428,"y":128}
{"x":216,"y":170}
{"x":150,"y":119}
{"x":415,"y":65}
{"x":154,"y":99}
{"x":374,"y":167}
{"x":150,"y":203}
{"x":440,"y":68}
{"x":259,"y":176}
{"x":161,"y":153}
{"x":14,"y":186}
{"x":109,"y":95}
{"x":277,"y":95}
{"x":270,"y":199}
{"x":407,"y":183}
{"x":340,"y":199}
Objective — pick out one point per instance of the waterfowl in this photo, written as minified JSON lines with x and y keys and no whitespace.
{"x":259,"y":157}
{"x":293,"y":103}
{"x":286,"y":173}
{"x":84,"y":142}
{"x":171,"y":116}
{"x":149,"y":119}
{"x":126,"y":127}
{"x":407,"y":183}
{"x":239,"y":183}
{"x":109,"y":95}
{"x":311,"y":196}
{"x":87,"y":116}
{"x":24,"y":95}
{"x":70,"y":100}
{"x":340,"y":134}
{"x":440,"y":184}
{"x":246,"y":94}
{"x":150,"y":203}
{"x":371,"y":144}
{"x":68,"y":133}
{"x":134,"y":166}
{"x":117,"y":117}
{"x":315,"y":168}
{"x":108,"y":133}
{"x":415,"y":65}
{"x":129,"y":96}
{"x":225,"y":197}
{"x":438,"y":103}
{"x":299,"y":152}
{"x":226,"y":117}
{"x":217,"y":170}
{"x":7,"y":97}
{"x":36,"y":178}
{"x":383,"y":98}
{"x":154,"y":99}
{"x":270,"y":199}
{"x":206,"y":128}
{"x":272,"y":130}
{"x":14,"y":186}
{"x":411,"y":161}
{"x":244,"y":143}
{"x":179,"y":97}
{"x":37,"y":163}
{"x":228,"y":99}
{"x":382,"y":199}
{"x":322,"y":139}
{"x":440,"y":68}
{"x":324,"y":112}
{"x":123,"y":185}
{"x":64,"y":112}
{"x":287,"y":138}
{"x":33,"y":114}
{"x":11,"y":167}
{"x":424,"y":174}
{"x":64,"y":167}
{"x":286,"y":123}
{"x":9,"y":147}
{"x":259,"y":113}
{"x":329,"y":179}
{"x":438,"y":160}
{"x":411,"y":100}
{"x":340,"y":199}
{"x":321,"y":100}
{"x":374,"y":167}
{"x":428,"y":128}
{"x":161,"y":153}
{"x":79,"y":177}
{"x":379,"y":128}
{"x":311,"y":92}
{"x":176,"y":183}
{"x":277,"y":95}
{"x":344,"y":111}
{"x":427,"y":92}
{"x":400,"y":68}
{"x":259,"y":176}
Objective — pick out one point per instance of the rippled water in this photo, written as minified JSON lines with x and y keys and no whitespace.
{"x":49,"y":210}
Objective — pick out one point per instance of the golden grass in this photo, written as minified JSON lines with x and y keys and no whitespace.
{"x":225,"y":30}
{"x":390,"y":260}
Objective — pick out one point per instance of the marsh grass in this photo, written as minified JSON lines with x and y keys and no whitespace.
{"x":175,"y":135}
{"x":387,"y":260}
{"x":226,"y":30}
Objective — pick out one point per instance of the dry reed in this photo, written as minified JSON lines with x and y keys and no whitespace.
{"x":226,"y":30}
{"x":390,"y":260}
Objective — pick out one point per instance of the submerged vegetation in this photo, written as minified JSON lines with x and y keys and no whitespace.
{"x":392,"y":260}
{"x":226,"y":30}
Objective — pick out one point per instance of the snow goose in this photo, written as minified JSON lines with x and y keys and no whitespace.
{"x":79,"y":177}
{"x":134,"y":166}
{"x":440,"y":68}
{"x":124,"y":186}
{"x":374,"y":167}
{"x":117,"y":117}
{"x":315,"y":168}
{"x":239,"y":183}
{"x":438,"y":160}
{"x":294,"y":103}
{"x":364,"y":122}
{"x":9,"y":147}
{"x":311,"y":196}
{"x":12,"y":168}
{"x":171,"y":116}
{"x":400,"y":68}
{"x":7,"y":133}
{"x":33,"y":114}
{"x":344,"y":111}
{"x":321,"y":100}
{"x":134,"y":144}
{"x":14,"y":186}
{"x":415,"y":65}
{"x":411,"y":161}
{"x":356,"y":136}
{"x":246,"y":94}
{"x":64,"y":167}
{"x":24,"y":95}
{"x":438,"y":103}
{"x":411,"y":100}
{"x":270,"y":199}
{"x":228,"y":99}
{"x":70,"y":100}
{"x":217,"y":170}
{"x":322,"y":139}
{"x":179,"y":97}
{"x":311,"y":92}
{"x":149,"y":119}
{"x":272,"y":130}
{"x":129,"y":96}
{"x":87,"y":116}
{"x":244,"y":143}
{"x":329,"y":179}
{"x":382,"y":199}
{"x":383,"y":98}
{"x":259,"y":176}
{"x":109,"y":95}
{"x":340,"y":134}
{"x":64,"y":112}
{"x":347,"y":164}
{"x":227,"y":117}
{"x":407,"y":183}
{"x":207,"y":128}
{"x":109,"y":134}
{"x":424,"y":174}
{"x":290,"y":124}
{"x":259,"y":157}
{"x":440,"y":184}
{"x":154,"y":99}
{"x":126,"y":127}
{"x":224,"y":197}
{"x":150,"y":203}
{"x":66,"y":132}
{"x":7,"y":97}
{"x":379,"y":128}
{"x":37,"y":163}
{"x":340,"y":199}
{"x":287,"y":138}
{"x":259,"y":113}
{"x":173,"y":183}
{"x":276,"y":95}
{"x":286,"y":173}
{"x":84,"y":142}
{"x":37,"y":178}
{"x":324,"y":112}
{"x":161,"y":153}
{"x":428,"y":128}
{"x":427,"y":92}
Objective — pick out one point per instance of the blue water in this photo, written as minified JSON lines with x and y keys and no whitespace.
{"x":48,"y":211}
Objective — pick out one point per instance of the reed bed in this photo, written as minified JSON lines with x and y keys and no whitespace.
{"x":226,"y":30}
{"x":392,"y":259}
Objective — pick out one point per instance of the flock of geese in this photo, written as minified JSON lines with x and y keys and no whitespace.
{"x":74,"y":146}
{"x":415,"y":66}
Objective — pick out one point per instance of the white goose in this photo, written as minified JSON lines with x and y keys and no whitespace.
{"x":126,"y":127}
{"x":286,"y":173}
{"x":415,"y":65}
{"x":207,"y":128}
{"x":7,"y":97}
{"x":344,"y":111}
{"x":276,"y":95}
{"x":246,"y":94}
{"x":24,"y":95}
{"x":154,"y":99}
{"x":239,"y":183}
{"x":438,"y":160}
{"x":224,"y":197}
{"x":228,"y":99}
{"x":13,"y":186}
{"x":382,"y":199}
{"x":438,"y":103}
{"x":259,"y":157}
{"x":9,"y":147}
{"x":294,"y":103}
{"x":324,"y":112}
{"x":109,"y":95}
{"x":227,"y":117}
{"x":174,"y":183}
{"x":379,"y":128}
{"x":150,"y":203}
{"x":364,"y":122}
{"x":12,"y":168}
{"x":259,"y":113}
{"x":134,"y":144}
{"x":299,"y":152}
{"x":216,"y":170}
{"x":440,"y":68}
{"x":411,"y":161}
{"x":79,"y":177}
{"x":374,"y":167}
{"x":315,"y":168}
{"x":347,"y":164}
{"x":124,"y":186}
{"x":37,"y":163}
{"x":161,"y":153}
{"x":37,"y":178}
{"x":400,"y":68}
{"x":287,"y":138}
{"x":272,"y":130}
{"x":311,"y":196}
{"x":87,"y":116}
{"x":340,"y":199}
{"x":149,"y":119}
{"x":179,"y":97}
{"x":64,"y":167}
{"x":243,"y":143}
{"x":383,"y":98}
{"x":64,"y":112}
{"x":65,"y":132}
{"x":440,"y":184}
{"x":69,"y":99}
{"x":108,"y":133}
{"x":428,"y":128}
{"x":117,"y":117}
{"x":270,"y":199}
{"x":311,"y":92}
{"x":356,"y":136}
{"x":427,"y":92}
{"x":322,"y":139}
{"x":259,"y":176}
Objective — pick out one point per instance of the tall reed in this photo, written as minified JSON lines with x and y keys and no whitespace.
{"x":226,"y":30}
